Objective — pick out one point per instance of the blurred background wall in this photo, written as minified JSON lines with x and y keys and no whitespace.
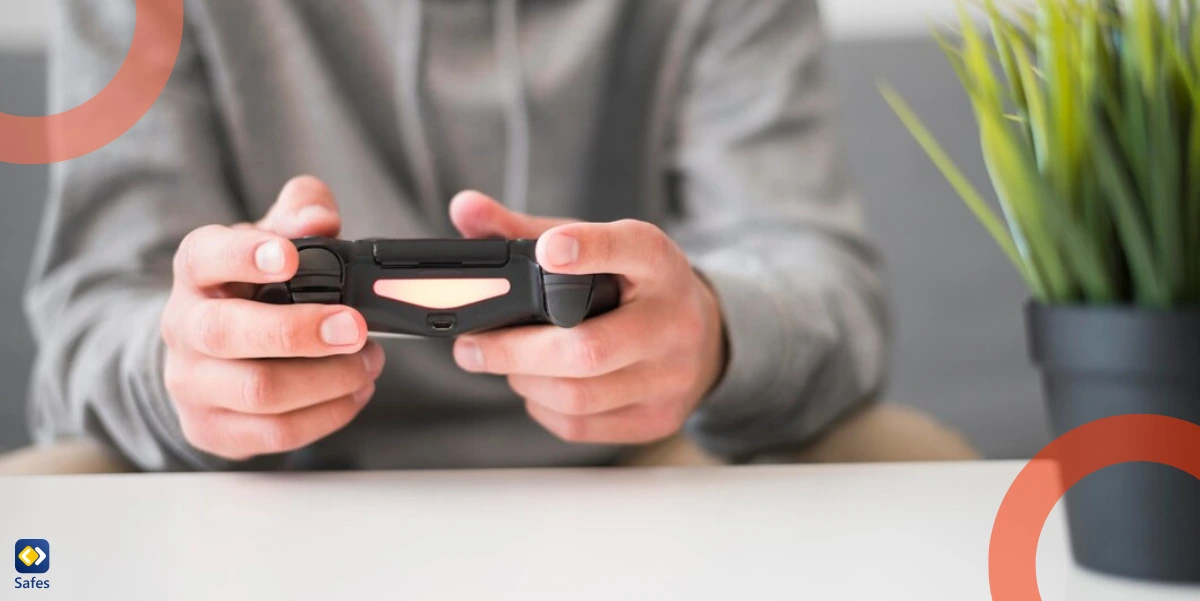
{"x":959,"y":343}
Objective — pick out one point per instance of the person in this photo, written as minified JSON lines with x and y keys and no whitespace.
{"x":684,"y":145}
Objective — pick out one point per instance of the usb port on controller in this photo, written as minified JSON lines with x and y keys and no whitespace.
{"x":442,"y":322}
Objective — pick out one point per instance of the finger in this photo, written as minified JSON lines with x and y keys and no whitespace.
{"x":588,"y":396}
{"x":305,"y":207}
{"x":216,"y":255}
{"x":478,"y":216}
{"x":240,"y":436}
{"x":637,"y":424}
{"x":598,"y":346}
{"x":243,"y":329}
{"x":635,"y":249}
{"x":276,"y":386}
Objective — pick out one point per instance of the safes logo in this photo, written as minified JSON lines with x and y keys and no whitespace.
{"x":32,"y":556}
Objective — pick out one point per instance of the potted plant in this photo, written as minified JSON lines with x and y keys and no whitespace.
{"x":1089,"y":118}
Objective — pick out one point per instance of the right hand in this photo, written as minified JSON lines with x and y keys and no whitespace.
{"x":250,"y":378}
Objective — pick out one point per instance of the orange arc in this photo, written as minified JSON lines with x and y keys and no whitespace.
{"x":1012,"y":555}
{"x":105,"y":117}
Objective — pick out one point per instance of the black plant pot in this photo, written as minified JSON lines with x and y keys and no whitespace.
{"x":1137,"y":520}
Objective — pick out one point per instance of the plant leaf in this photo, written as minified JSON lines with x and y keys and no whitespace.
{"x":1003,"y":39}
{"x":1055,"y":44}
{"x":1045,"y":220}
{"x":1089,"y":123}
{"x":1166,"y":192}
{"x":970,"y":196}
{"x":1038,"y":113}
{"x":1135,"y":237}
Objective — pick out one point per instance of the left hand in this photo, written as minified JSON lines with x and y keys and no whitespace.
{"x":627,"y":377}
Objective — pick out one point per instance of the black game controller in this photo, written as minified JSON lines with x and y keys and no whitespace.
{"x":441,"y":288}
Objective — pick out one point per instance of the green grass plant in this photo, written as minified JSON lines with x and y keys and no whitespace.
{"x":1089,"y":120}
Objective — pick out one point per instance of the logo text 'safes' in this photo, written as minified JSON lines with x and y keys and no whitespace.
{"x":31,"y":556}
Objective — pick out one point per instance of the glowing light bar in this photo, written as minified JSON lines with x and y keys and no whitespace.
{"x":442,"y":293}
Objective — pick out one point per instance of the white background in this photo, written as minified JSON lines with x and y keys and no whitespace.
{"x":23,"y":22}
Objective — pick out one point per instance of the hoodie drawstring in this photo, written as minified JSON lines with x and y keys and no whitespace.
{"x":410,"y":60}
{"x":518,"y":155}
{"x":518,"y":130}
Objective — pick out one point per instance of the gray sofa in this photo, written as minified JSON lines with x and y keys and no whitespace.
{"x":959,"y":345}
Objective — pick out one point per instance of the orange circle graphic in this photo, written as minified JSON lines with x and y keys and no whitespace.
{"x":118,"y":107}
{"x":1012,"y":564}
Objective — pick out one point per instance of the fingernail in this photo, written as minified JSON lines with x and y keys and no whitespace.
{"x":340,"y":330}
{"x":361,"y":397}
{"x":268,"y":257}
{"x":562,"y":249}
{"x":468,"y":355}
{"x":373,"y":360}
{"x":315,"y":213}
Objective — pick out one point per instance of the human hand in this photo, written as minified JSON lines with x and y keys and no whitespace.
{"x":630,"y":376}
{"x":250,"y":378}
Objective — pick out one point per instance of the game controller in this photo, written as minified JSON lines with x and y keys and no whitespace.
{"x":441,"y":288}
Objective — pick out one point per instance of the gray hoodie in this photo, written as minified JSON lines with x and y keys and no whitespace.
{"x":711,"y":118}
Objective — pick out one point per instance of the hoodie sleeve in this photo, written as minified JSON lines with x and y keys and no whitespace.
{"x":102,"y":267}
{"x":769,"y":219}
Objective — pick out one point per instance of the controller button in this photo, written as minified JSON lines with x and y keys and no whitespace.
{"x":567,"y":304}
{"x":320,"y":298}
{"x":319,"y":262}
{"x":313,"y":283}
{"x":552,"y":279}
{"x":275,"y":294}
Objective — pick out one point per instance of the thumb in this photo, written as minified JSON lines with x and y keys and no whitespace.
{"x":305,"y":207}
{"x":478,"y":216}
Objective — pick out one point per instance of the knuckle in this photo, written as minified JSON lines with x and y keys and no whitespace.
{"x":603,"y":248}
{"x":573,"y":429}
{"x":518,"y":385}
{"x":338,"y":414}
{"x":331,"y":416}
{"x":659,"y":248}
{"x":307,"y":185}
{"x":633,"y":225}
{"x":197,"y":431}
{"x":278,"y":435}
{"x":587,"y":352}
{"x":174,"y":377}
{"x":211,"y":334}
{"x":256,"y":389}
{"x":236,"y":259}
{"x":497,"y":358}
{"x":185,"y":254}
{"x":187,"y":257}
{"x":285,"y":335}
{"x":168,"y":323}
{"x":351,"y":374}
{"x":575,"y":397}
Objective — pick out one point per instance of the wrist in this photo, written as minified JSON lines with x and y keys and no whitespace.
{"x":715,"y":350}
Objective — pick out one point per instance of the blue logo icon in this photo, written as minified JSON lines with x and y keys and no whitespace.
{"x":32,"y":556}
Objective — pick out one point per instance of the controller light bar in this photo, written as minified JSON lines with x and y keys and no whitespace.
{"x":442,"y":293}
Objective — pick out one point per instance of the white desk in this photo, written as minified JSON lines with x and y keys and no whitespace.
{"x":896,"y":533}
